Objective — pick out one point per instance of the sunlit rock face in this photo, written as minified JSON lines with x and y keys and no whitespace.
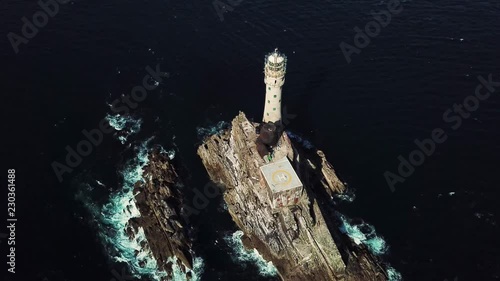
{"x":299,"y":241}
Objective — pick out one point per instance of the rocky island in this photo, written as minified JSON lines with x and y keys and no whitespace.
{"x":277,"y":193}
{"x":159,"y":199}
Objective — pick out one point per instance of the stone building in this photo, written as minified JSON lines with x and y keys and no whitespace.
{"x":274,"y":78}
{"x":282,"y":182}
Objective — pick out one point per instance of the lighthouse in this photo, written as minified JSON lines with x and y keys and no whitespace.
{"x":274,"y":78}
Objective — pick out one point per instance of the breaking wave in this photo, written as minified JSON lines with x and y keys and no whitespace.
{"x":125,"y":125}
{"x":241,"y":254}
{"x":113,"y":218}
{"x":305,"y":143}
{"x":348,"y":196}
{"x":363,"y":233}
{"x":178,"y":275}
{"x":212,"y":130}
{"x":123,"y":242}
{"x":170,"y":153}
{"x":393,"y":274}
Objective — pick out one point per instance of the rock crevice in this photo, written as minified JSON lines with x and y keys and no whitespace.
{"x":159,"y":199}
{"x":301,"y":242}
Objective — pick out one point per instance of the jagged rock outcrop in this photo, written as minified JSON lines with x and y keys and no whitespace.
{"x":159,"y":200}
{"x":301,"y":242}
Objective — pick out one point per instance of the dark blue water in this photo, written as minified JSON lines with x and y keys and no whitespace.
{"x":441,"y":223}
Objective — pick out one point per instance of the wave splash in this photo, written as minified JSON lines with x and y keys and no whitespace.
{"x":348,"y":196}
{"x":393,"y":274}
{"x":241,"y":254}
{"x":212,"y":130}
{"x":125,"y":125}
{"x":196,"y":272}
{"x":363,"y":233}
{"x":125,"y":243}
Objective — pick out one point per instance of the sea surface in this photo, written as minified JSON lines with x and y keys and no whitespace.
{"x":440,"y":223}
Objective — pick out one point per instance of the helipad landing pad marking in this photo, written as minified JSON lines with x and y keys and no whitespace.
{"x":281,"y":177}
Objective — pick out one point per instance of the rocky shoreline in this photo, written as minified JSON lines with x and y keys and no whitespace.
{"x":159,"y":199}
{"x":301,"y":242}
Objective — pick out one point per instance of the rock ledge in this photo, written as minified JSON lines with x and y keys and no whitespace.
{"x":300,"y":242}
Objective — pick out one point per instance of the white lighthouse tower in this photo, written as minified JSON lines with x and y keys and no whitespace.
{"x":274,"y":71}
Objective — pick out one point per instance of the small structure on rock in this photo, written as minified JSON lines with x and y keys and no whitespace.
{"x":272,"y":127}
{"x":284,"y":186}
{"x":278,"y":176}
{"x":274,"y":71}
{"x":255,"y":162}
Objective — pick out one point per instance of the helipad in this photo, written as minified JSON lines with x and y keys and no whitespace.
{"x":283,"y":182}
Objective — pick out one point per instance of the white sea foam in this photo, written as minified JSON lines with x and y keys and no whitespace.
{"x":126,"y":125}
{"x":241,"y":254}
{"x":348,"y":196}
{"x":170,"y":153}
{"x":212,"y":130}
{"x":393,"y":274}
{"x":365,"y":234}
{"x":115,"y":216}
{"x":196,"y":272}
{"x":113,"y":221}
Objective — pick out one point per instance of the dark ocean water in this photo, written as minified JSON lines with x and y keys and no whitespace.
{"x":441,"y":223}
